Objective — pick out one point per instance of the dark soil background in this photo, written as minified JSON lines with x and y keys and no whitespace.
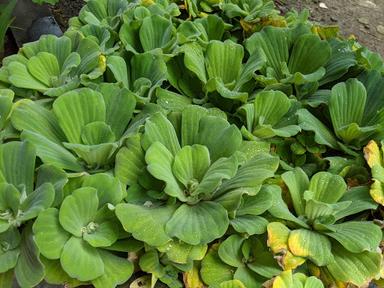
{"x":362,"y":18}
{"x":66,"y":9}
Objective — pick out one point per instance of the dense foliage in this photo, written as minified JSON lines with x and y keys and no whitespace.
{"x":192,"y":144}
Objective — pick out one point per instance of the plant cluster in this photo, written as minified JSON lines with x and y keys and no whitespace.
{"x":192,"y":144}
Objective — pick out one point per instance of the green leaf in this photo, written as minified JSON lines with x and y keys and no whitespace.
{"x":155,"y":32}
{"x":17,"y":164}
{"x":145,"y":223}
{"x":6,"y":20}
{"x":160,"y":161}
{"x":6,"y":279}
{"x":172,"y":101}
{"x":191,"y":163}
{"x":280,"y":209}
{"x":117,"y":270}
{"x":10,"y":252}
{"x":119,"y":107}
{"x":354,"y":268}
{"x":44,"y":67}
{"x":297,"y":182}
{"x":105,"y":234}
{"x":78,"y":210}
{"x":273,"y":42}
{"x":213,"y":270}
{"x":54,"y":273}
{"x":360,"y":200}
{"x":75,"y":109}
{"x":130,"y":161}
{"x":308,"y":122}
{"x":190,"y":124}
{"x":96,"y":133}
{"x":94,"y":155}
{"x":357,"y":236}
{"x":250,"y":224}
{"x":29,"y":270}
{"x":182,"y":253}
{"x":194,"y":60}
{"x":198,"y":224}
{"x":323,"y":182}
{"x":346,"y":106}
{"x":316,"y":210}
{"x":374,"y":84}
{"x":30,"y":116}
{"x":39,"y":200}
{"x":264,"y":263}
{"x":8,"y":260}
{"x":9,"y":199}
{"x":150,"y":67}
{"x":20,"y":77}
{"x":118,"y":67}
{"x":150,"y":263}
{"x":232,"y":284}
{"x":217,"y":84}
{"x":58,"y":178}
{"x":221,"y":138}
{"x":50,"y":237}
{"x":248,"y":277}
{"x":159,"y":129}
{"x":255,"y":205}
{"x":253,"y":172}
{"x":342,"y":59}
{"x":301,"y":58}
{"x":224,"y":60}
{"x":222,"y":169}
{"x":81,"y":261}
{"x":269,"y":109}
{"x":230,"y":250}
{"x":108,"y":188}
{"x":51,"y":152}
{"x":311,"y":245}
{"x":6,"y":103}
{"x":289,"y":280}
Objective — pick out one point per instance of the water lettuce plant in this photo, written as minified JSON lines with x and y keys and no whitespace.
{"x":315,"y":233}
{"x":204,"y":177}
{"x":198,"y":143}
{"x":81,"y":131}
{"x":54,"y":65}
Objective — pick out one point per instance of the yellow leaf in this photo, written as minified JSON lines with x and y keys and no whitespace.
{"x":372,"y":154}
{"x":278,"y":235}
{"x":290,"y":261}
{"x":326,"y":32}
{"x":377,"y":192}
{"x":192,"y":279}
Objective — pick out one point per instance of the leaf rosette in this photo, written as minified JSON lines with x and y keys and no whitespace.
{"x":22,"y":199}
{"x":193,"y":161}
{"x":83,"y":129}
{"x":271,"y":114}
{"x":81,"y":232}
{"x":316,"y":233}
{"x":289,"y":61}
{"x":53,"y":66}
{"x":217,"y":72}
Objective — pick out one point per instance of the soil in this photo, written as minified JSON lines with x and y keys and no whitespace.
{"x":10,"y":46}
{"x":362,"y":18}
{"x":66,"y":9}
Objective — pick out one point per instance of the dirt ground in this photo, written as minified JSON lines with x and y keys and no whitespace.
{"x":66,"y":9}
{"x":362,"y":18}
